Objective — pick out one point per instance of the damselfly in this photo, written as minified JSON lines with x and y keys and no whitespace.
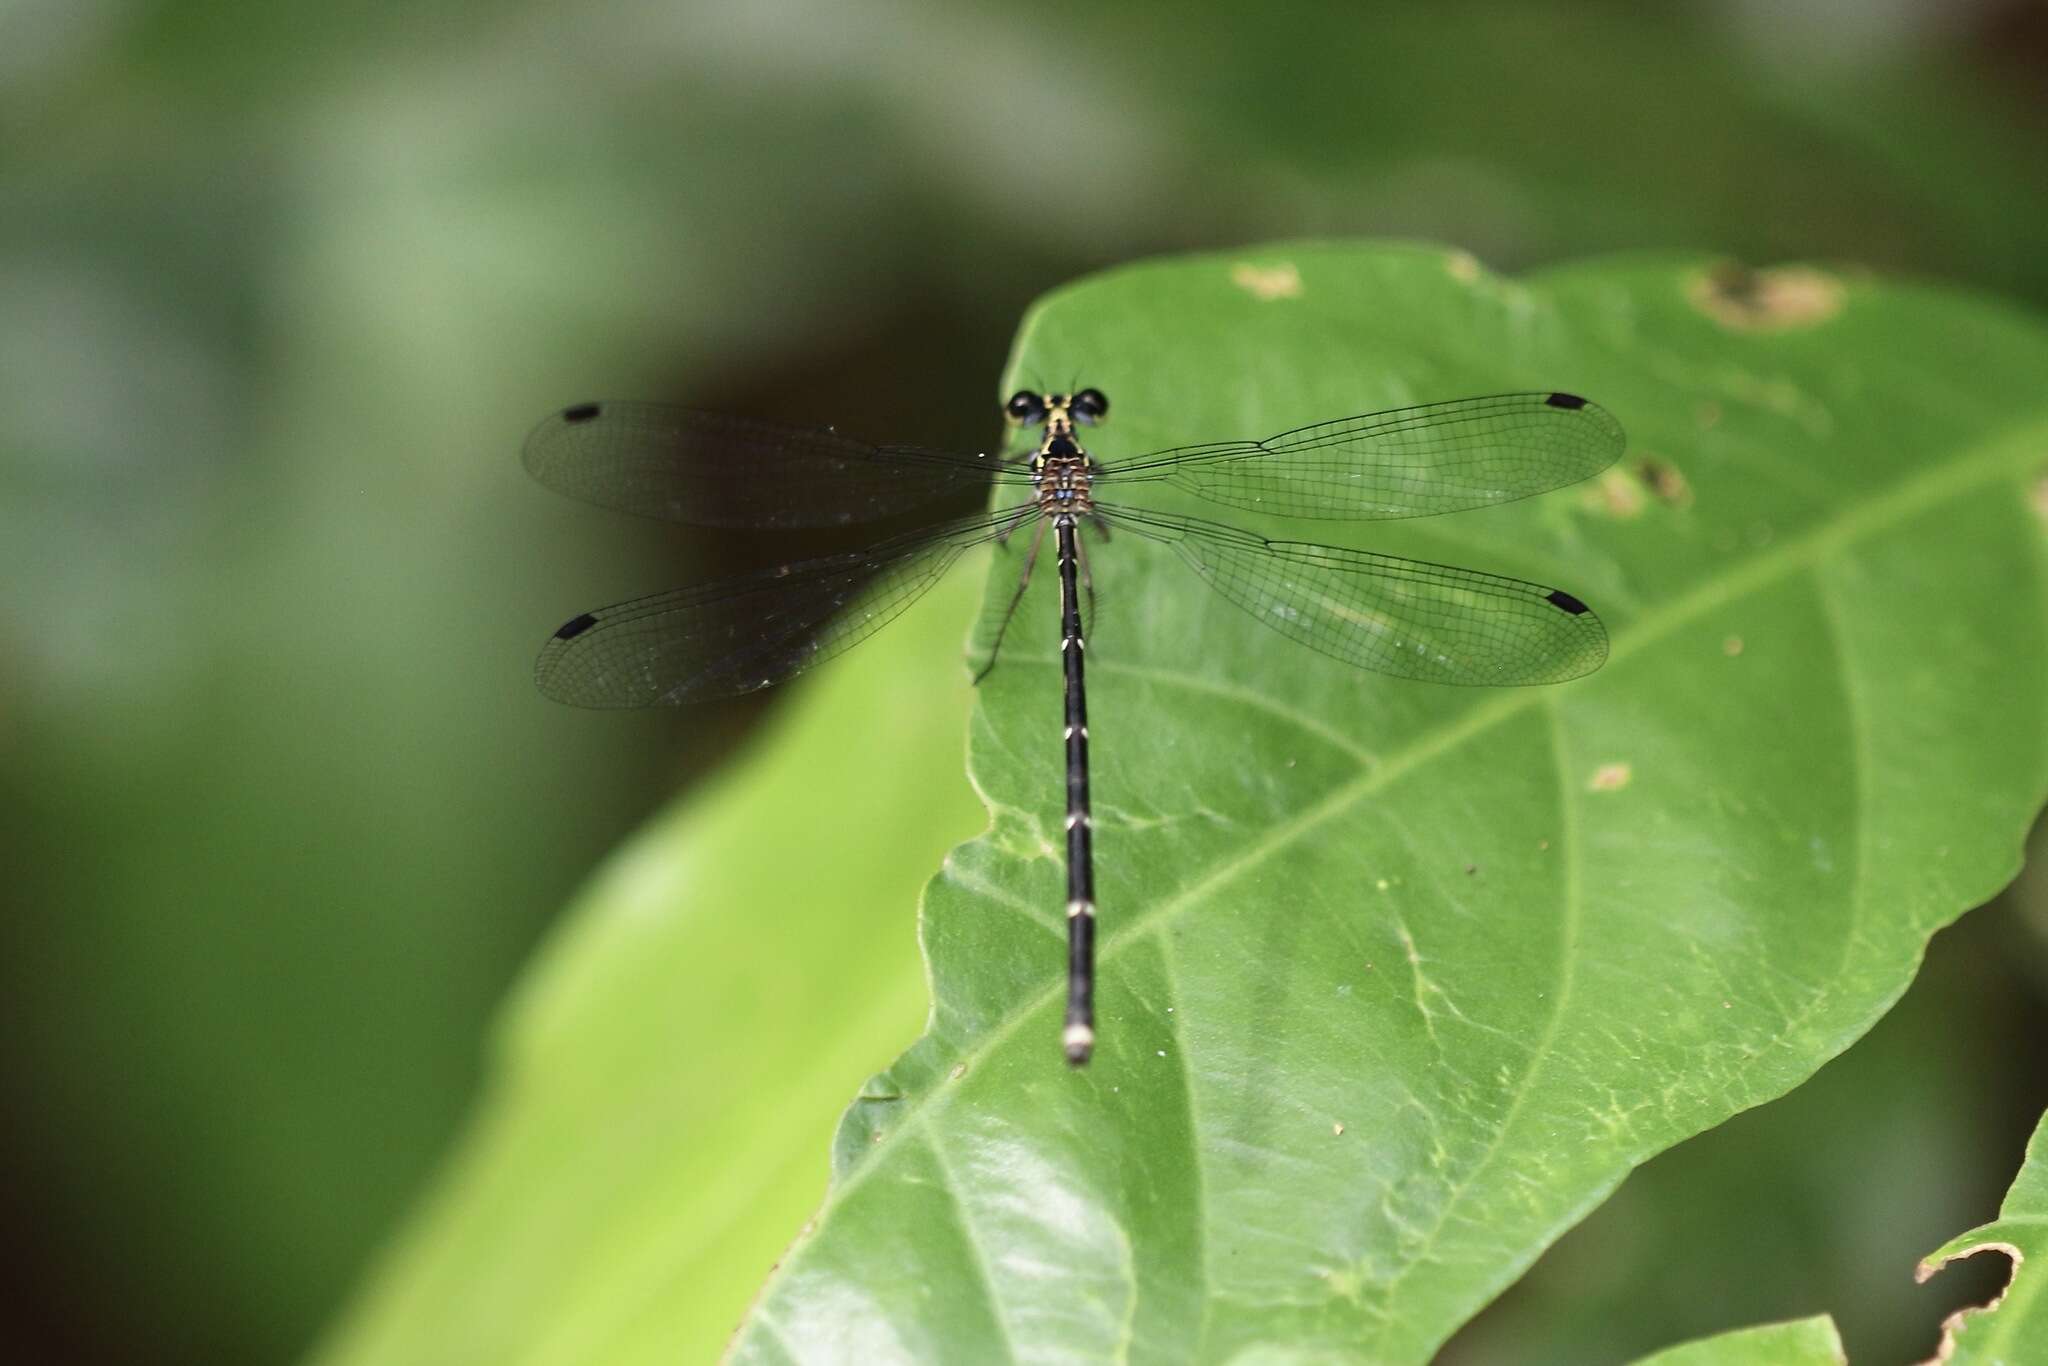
{"x":1393,"y":616}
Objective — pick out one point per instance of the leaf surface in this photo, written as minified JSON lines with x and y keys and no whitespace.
{"x":1398,"y":981}
{"x":1802,"y":1342}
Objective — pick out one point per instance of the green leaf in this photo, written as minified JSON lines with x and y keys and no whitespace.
{"x":2014,"y":1327}
{"x":1399,"y":981}
{"x":1802,"y":1342}
{"x":666,"y":1080}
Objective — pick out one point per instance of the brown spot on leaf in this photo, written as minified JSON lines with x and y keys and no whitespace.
{"x":2039,"y":497}
{"x":1610,"y":778}
{"x":1664,"y":482}
{"x":1614,"y":494}
{"x":1732,"y":646}
{"x":1267,"y":283}
{"x":1463,"y":267}
{"x":1770,"y":300}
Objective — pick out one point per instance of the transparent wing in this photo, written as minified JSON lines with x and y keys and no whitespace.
{"x":708,"y":469}
{"x":1402,"y":617}
{"x":1033,"y":552}
{"x":738,"y":635}
{"x":1409,"y":462}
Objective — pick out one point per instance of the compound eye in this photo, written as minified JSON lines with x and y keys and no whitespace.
{"x":1024,"y":406}
{"x":1090,"y":405}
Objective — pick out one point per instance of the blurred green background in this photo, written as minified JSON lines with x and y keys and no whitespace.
{"x":283,"y":285}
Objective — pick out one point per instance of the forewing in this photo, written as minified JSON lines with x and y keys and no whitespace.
{"x":709,"y":469}
{"x":1409,"y":462}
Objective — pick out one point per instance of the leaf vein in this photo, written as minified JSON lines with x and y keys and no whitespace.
{"x":1199,"y":1214}
{"x":984,"y":1274}
{"x":1572,"y":911}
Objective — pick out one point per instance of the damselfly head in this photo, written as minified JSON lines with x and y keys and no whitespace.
{"x":1025,"y":409}
{"x":1029,"y":409}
